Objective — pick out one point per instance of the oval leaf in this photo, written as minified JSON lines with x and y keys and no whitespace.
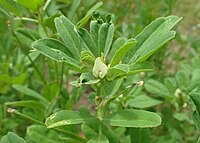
{"x":143,"y":101}
{"x":133,"y":118}
{"x":157,"y":88}
{"x":29,"y":92}
{"x":69,"y":35}
{"x":105,"y":36}
{"x":88,"y":41}
{"x":52,"y":49}
{"x":121,"y":52}
{"x":140,"y":67}
{"x":27,"y":103}
{"x":156,"y":34}
{"x":67,"y":117}
{"x":12,"y":138}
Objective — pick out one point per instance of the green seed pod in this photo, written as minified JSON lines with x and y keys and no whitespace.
{"x":109,"y":17}
{"x":96,"y":15}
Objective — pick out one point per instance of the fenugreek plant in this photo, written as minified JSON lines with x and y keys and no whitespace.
{"x":102,"y":64}
{"x":90,"y":54}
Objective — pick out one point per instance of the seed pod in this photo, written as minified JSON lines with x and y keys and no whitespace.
{"x":96,"y":15}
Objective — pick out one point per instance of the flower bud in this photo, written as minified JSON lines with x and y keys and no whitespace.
{"x":100,"y":69}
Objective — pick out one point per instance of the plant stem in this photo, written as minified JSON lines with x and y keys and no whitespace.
{"x":26,"y":19}
{"x":41,"y":21}
{"x":99,"y":112}
{"x":61,"y":78}
{"x":56,"y":72}
{"x":25,"y":116}
{"x":46,"y":5}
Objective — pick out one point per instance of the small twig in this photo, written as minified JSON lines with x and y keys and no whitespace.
{"x":26,"y":19}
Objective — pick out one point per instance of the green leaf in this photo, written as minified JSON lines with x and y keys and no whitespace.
{"x":67,"y":117}
{"x":27,"y":103}
{"x":85,"y":78}
{"x":55,"y":44}
{"x":72,"y":12}
{"x":19,"y":79}
{"x":143,"y":101}
{"x":195,"y":96}
{"x":116,"y":45}
{"x":133,"y":118}
{"x":87,"y":58}
{"x":94,"y":28}
{"x":55,"y":50}
{"x":157,"y":88}
{"x":170,"y":83}
{"x":140,"y":135}
{"x":105,"y":38}
{"x":12,"y":138}
{"x":69,"y":34}
{"x":50,"y":90}
{"x":99,"y":139}
{"x":195,"y":75}
{"x":49,"y":21}
{"x":156,"y":34}
{"x":29,"y":92}
{"x":33,"y":56}
{"x":13,"y":6}
{"x":121,"y":52}
{"x":196,"y":119}
{"x":88,"y":41}
{"x":140,"y":67}
{"x":27,"y":33}
{"x":106,"y":130}
{"x":84,"y":20}
{"x":119,"y":70}
{"x":114,"y":85}
{"x":38,"y":133}
{"x":181,"y":117}
{"x":31,"y":4}
{"x":182,"y":80}
{"x":88,"y":132}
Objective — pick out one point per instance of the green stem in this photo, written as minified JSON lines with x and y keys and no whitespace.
{"x":114,"y":97}
{"x":100,"y":116}
{"x":99,"y":108}
{"x":41,"y":21}
{"x":46,"y":5}
{"x":25,"y":116}
{"x":30,"y":34}
{"x":56,"y":72}
{"x":61,"y":78}
{"x":26,"y":19}
{"x":60,"y":82}
{"x":170,"y":7}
